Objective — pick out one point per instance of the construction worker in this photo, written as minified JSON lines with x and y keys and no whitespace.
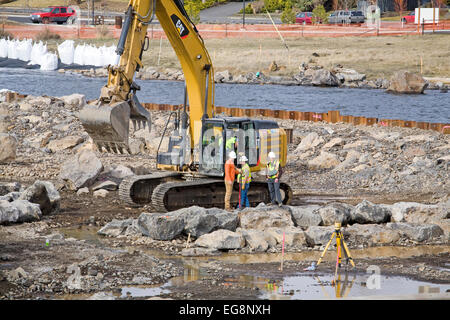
{"x":231,"y":144}
{"x":230,"y":172}
{"x":273,"y":175}
{"x":245,"y":179}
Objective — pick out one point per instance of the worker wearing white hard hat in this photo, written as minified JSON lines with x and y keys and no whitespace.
{"x":273,"y":174}
{"x":230,"y":173}
{"x":244,"y":182}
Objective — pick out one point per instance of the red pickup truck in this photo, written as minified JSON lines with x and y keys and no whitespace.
{"x":58,"y":14}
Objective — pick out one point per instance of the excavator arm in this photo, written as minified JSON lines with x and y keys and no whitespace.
{"x":107,"y":119}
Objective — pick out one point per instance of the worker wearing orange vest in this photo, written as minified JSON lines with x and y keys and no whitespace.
{"x":230,"y":172}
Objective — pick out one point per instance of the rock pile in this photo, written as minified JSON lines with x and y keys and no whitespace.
{"x":25,"y":205}
{"x":263,"y":228}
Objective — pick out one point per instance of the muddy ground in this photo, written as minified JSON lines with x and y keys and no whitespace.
{"x":61,"y":257}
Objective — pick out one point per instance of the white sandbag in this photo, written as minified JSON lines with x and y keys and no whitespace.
{"x":49,"y":62}
{"x":38,"y":51}
{"x":78,"y":55}
{"x":110,"y":56}
{"x":24,"y":48}
{"x":3,"y":48}
{"x":12,"y":50}
{"x":98,"y":57}
{"x":66,"y":52}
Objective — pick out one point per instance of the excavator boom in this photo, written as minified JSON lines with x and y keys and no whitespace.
{"x":107,"y":119}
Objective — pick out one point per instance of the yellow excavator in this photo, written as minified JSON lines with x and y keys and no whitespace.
{"x":191,"y":170}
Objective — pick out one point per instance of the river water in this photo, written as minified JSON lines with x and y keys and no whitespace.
{"x":433,"y":106}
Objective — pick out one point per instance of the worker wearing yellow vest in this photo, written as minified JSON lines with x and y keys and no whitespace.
{"x":273,"y":175}
{"x":244,"y":178}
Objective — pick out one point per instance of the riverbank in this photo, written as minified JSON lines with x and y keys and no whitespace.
{"x":387,"y":185}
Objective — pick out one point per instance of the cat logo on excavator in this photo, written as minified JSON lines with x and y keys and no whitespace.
{"x":182,"y":30}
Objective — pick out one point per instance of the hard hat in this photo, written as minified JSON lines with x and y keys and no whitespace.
{"x":232,"y":155}
{"x":272,"y":155}
{"x":244,"y":158}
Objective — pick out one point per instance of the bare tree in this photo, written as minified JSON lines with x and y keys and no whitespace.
{"x":400,"y":6}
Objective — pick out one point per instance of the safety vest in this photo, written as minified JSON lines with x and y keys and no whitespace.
{"x":272,"y":169}
{"x":246,"y":175}
{"x":230,"y":143}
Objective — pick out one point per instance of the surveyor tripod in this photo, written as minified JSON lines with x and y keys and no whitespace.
{"x":341,"y":246}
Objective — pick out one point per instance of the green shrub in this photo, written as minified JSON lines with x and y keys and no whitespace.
{"x":272,"y":5}
{"x":288,"y":16}
{"x":193,"y":10}
{"x":320,"y":15}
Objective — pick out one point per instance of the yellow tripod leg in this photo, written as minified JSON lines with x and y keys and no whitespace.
{"x":325,"y":250}
{"x":349,"y":257}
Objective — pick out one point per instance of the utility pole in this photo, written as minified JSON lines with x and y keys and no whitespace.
{"x":243,"y":13}
{"x":93,"y":15}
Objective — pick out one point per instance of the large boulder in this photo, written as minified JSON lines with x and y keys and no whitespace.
{"x":64,"y":143}
{"x":367,"y":212}
{"x":160,"y":226}
{"x":417,"y":231}
{"x":18,"y":211}
{"x":324,"y":160}
{"x":221,"y":240}
{"x":318,"y":235}
{"x":406,"y":82}
{"x":416,"y":212}
{"x":310,"y":141}
{"x":45,"y":195}
{"x":306,"y":216}
{"x":8,"y":148}
{"x":323,"y":77}
{"x":335,"y":212}
{"x":81,"y":170}
{"x":263,"y":217}
{"x":225,"y":219}
{"x":292,"y":236}
{"x":372,"y":233}
{"x":257,"y":240}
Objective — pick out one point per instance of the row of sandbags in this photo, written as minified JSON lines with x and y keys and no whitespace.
{"x":36,"y":53}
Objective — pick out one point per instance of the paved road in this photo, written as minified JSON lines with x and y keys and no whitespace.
{"x":225,"y":13}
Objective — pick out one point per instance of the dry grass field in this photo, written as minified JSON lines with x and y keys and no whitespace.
{"x":374,"y":56}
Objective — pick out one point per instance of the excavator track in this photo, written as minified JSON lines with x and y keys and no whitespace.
{"x":208,"y":193}
{"x":137,"y":191}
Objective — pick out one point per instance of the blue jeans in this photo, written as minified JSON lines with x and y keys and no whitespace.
{"x":244,"y":198}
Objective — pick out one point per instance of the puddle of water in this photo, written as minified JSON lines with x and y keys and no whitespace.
{"x":143,"y":291}
{"x":309,"y":286}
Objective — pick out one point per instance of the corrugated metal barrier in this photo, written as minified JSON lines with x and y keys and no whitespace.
{"x":332,"y":116}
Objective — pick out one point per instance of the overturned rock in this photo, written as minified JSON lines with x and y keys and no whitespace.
{"x":81,"y":170}
{"x":415,"y":212}
{"x":323,"y":77}
{"x":257,"y":240}
{"x":325,"y":160}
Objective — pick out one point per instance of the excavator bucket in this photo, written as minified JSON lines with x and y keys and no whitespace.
{"x":107,"y":125}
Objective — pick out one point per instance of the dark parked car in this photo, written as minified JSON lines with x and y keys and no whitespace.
{"x":356,"y":17}
{"x":58,"y":14}
{"x":304,"y":18}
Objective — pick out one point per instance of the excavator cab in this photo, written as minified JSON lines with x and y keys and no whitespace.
{"x":249,"y":137}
